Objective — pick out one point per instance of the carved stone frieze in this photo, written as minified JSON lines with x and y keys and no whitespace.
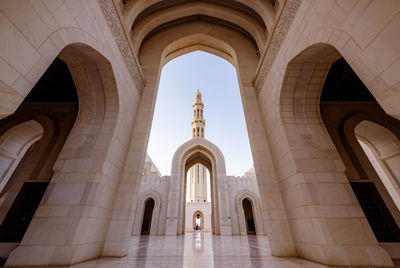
{"x":120,"y":38}
{"x":288,"y":13}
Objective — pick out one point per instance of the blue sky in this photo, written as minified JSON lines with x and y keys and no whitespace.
{"x":225,"y":124}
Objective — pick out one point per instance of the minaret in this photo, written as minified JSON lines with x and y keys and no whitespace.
{"x":198,"y":121}
{"x":198,"y":174}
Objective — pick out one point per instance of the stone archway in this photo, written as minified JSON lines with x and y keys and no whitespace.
{"x":385,"y":152}
{"x":249,"y":216}
{"x":316,"y":179}
{"x":13,"y":145}
{"x":198,"y":150}
{"x":198,"y":215}
{"x":170,"y":43}
{"x":354,"y":127}
{"x":140,"y":211}
{"x":257,"y":213}
{"x":377,"y":129}
{"x":147,"y":217}
{"x":90,"y":137}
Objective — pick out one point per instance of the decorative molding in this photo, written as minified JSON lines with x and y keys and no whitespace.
{"x":281,"y":30}
{"x":122,"y":42}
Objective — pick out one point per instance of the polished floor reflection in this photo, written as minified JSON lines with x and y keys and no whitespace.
{"x":198,"y":250}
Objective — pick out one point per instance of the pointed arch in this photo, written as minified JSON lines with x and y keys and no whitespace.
{"x":177,"y":40}
{"x":194,"y":151}
{"x":385,"y":152}
{"x":13,"y":145}
{"x":257,"y":212}
{"x":140,"y":211}
{"x":312,"y":163}
{"x":198,"y":212}
{"x":84,"y":156}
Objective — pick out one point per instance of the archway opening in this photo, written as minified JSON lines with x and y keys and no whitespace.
{"x":198,"y":199}
{"x":198,"y":187}
{"x":383,"y":162}
{"x":198,"y":221}
{"x":63,"y":159}
{"x":320,"y":108}
{"x":185,"y":72}
{"x":380,"y":147}
{"x":352,"y":117}
{"x":147,"y":217}
{"x":343,"y":91}
{"x":249,"y":216}
{"x":199,"y":195}
{"x":31,"y":140}
{"x":14,"y":143}
{"x":154,"y":228}
{"x":217,"y":82}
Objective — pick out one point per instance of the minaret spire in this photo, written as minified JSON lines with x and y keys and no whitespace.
{"x":198,"y":121}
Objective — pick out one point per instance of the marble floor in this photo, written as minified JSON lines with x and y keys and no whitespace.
{"x":198,"y":250}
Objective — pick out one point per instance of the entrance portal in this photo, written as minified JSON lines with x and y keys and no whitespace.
{"x":147,"y":216}
{"x":198,"y":221}
{"x":248,"y":216}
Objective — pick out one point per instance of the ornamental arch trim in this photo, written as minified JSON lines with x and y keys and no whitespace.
{"x":137,"y":226}
{"x":257,"y":212}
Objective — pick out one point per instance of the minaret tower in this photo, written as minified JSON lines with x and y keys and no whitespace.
{"x":198,"y":174}
{"x":198,"y":121}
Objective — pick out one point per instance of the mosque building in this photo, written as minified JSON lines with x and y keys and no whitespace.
{"x":320,"y":89}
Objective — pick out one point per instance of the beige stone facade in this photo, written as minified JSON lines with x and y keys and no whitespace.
{"x":236,"y":189}
{"x":203,"y":223}
{"x":282,"y":50}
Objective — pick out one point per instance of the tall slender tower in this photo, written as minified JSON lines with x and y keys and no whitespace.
{"x":198,"y":174}
{"x":198,"y":121}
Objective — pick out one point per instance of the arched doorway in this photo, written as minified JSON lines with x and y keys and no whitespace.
{"x":198,"y":220}
{"x":147,"y":217}
{"x":204,"y":152}
{"x":249,"y":216}
{"x":155,"y":215}
{"x":243,"y":215}
{"x":200,"y":159}
{"x":167,"y":43}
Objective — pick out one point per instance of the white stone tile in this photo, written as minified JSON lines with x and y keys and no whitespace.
{"x":7,"y":74}
{"x":30,"y":24}
{"x":22,"y":86}
{"x":52,"y":5}
{"x":64,"y":17}
{"x":16,"y":44}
